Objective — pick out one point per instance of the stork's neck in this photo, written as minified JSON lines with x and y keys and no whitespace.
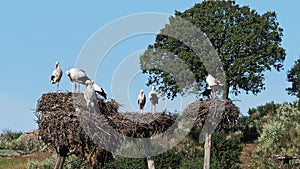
{"x":69,"y":76}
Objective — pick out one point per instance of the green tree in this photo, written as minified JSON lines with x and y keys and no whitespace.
{"x":252,"y":125}
{"x":247,"y":43}
{"x":280,"y":136}
{"x":294,"y":77}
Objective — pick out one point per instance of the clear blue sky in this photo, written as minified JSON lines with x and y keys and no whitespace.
{"x":35,"y":34}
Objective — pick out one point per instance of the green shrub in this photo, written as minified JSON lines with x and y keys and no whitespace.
{"x":9,"y":135}
{"x":225,"y":153}
{"x":126,"y":163}
{"x":248,"y":128}
{"x":225,"y":150}
{"x":72,"y":162}
{"x":279,"y":137}
{"x":18,"y":141}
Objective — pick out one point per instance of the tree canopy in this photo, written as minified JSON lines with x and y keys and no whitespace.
{"x":245,"y":42}
{"x":294,"y":77}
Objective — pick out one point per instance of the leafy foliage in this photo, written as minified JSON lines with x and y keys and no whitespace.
{"x":260,"y":111}
{"x":294,"y":77}
{"x":8,"y":139}
{"x":10,"y":135}
{"x":225,"y":151}
{"x":252,"y":125}
{"x":248,"y":128}
{"x":280,"y":136}
{"x":48,"y":163}
{"x":188,"y":155}
{"x":15,"y":140}
{"x":247,"y":44}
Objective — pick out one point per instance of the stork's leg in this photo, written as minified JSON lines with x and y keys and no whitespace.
{"x":212,"y":94}
{"x":78,"y":87}
{"x":57,"y":87}
{"x":89,"y":109}
{"x":75,"y":87}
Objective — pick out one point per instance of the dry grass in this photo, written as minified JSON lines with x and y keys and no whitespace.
{"x":22,"y":161}
{"x":246,"y":158}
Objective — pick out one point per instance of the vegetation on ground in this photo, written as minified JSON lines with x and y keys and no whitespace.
{"x":280,"y":136}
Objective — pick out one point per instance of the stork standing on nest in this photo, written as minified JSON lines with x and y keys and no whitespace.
{"x":213,"y":85}
{"x":77,"y":76}
{"x":141,"y":100}
{"x":99,"y":90}
{"x":89,"y":94}
{"x":56,"y":75}
{"x":153,"y":99}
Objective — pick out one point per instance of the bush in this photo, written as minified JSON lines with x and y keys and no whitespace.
{"x":248,"y":128}
{"x":281,"y":136}
{"x":9,"y":135}
{"x":225,"y":153}
{"x":25,"y":142}
{"x":71,"y":162}
{"x":126,"y":163}
{"x":8,"y":139}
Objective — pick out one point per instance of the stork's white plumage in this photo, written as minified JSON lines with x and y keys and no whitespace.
{"x":141,"y":100}
{"x":56,"y":75}
{"x":99,"y":90}
{"x":89,"y":94}
{"x":213,"y":85}
{"x":153,"y":99}
{"x":78,"y":76}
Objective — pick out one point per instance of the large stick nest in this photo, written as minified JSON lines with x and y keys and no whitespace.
{"x":222,"y":112}
{"x":64,"y":121}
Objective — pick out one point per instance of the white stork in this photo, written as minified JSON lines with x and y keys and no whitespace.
{"x":141,"y":100}
{"x":78,"y":76}
{"x":89,"y":94}
{"x":213,"y":85}
{"x":56,"y":75}
{"x":153,"y":99}
{"x":99,"y":90}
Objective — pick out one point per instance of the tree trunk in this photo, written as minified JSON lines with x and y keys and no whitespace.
{"x":150,"y":161}
{"x":226,"y":90}
{"x":59,"y":162}
{"x":207,"y":146}
{"x":62,"y":154}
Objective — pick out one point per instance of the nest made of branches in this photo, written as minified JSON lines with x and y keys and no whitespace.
{"x":64,"y":121}
{"x":223,"y":112}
